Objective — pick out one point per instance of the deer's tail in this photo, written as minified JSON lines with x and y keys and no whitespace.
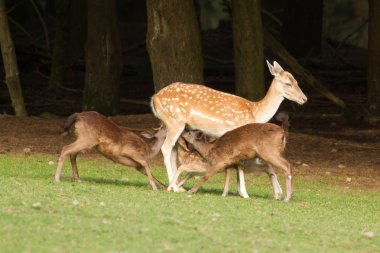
{"x":70,"y":121}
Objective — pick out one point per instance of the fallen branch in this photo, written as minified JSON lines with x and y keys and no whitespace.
{"x":135,"y":101}
{"x":271,"y":43}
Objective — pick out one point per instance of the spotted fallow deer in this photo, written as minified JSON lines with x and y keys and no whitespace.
{"x":181,"y":105}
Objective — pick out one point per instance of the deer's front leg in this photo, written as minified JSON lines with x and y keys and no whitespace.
{"x":241,"y":183}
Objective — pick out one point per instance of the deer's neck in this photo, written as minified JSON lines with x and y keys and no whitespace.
{"x":202,"y":148}
{"x":155,"y":146}
{"x":266,"y":108}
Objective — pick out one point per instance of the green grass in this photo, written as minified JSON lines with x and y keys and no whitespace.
{"x":114,"y":210}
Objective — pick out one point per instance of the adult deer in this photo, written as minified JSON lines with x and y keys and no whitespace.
{"x":213,"y":112}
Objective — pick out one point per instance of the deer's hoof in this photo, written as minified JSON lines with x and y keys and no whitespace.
{"x":181,"y":189}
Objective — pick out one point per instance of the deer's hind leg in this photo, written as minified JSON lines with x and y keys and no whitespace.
{"x":71,"y":149}
{"x":73,"y":160}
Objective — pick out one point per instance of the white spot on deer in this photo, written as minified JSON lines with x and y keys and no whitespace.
{"x":177,"y":110}
{"x":178,"y":89}
{"x":229,"y":122}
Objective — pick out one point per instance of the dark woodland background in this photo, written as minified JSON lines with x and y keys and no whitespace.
{"x":112,"y":55}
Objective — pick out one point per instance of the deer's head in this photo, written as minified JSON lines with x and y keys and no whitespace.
{"x":285,"y":84}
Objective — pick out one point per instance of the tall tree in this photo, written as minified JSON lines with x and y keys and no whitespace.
{"x":248,"y":49}
{"x":12,"y":76}
{"x":302,"y":33}
{"x":60,"y":57}
{"x":174,"y":42}
{"x":374,"y":57}
{"x":103,"y":58}
{"x":69,"y":39}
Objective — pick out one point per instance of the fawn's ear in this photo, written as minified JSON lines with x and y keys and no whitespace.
{"x":183,"y":144}
{"x":209,"y":139}
{"x":147,"y":134}
{"x":282,"y":116}
{"x":198,"y":135}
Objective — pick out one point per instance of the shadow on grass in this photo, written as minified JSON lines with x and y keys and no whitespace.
{"x":116,"y":182}
{"x":123,"y":183}
{"x":231,"y":193}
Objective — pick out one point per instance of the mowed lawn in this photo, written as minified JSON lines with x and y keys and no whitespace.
{"x":114,"y":210}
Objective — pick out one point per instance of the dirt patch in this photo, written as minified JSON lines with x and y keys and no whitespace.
{"x":336,"y":153}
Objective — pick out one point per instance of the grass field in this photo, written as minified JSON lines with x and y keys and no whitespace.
{"x":114,"y":210}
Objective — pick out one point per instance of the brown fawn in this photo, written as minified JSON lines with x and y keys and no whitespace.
{"x":264,"y":140}
{"x":121,"y":145}
{"x":194,"y":164}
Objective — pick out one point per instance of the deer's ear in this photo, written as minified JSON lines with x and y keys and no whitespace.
{"x":271,"y":69}
{"x":198,"y":135}
{"x":183,"y":144}
{"x":210,"y":139}
{"x":277,"y":68}
{"x":147,"y":134}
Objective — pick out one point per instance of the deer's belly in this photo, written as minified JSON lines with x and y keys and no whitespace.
{"x":214,"y":126}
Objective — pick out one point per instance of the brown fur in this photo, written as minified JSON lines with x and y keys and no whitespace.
{"x":94,"y":130}
{"x":244,"y":143}
{"x":192,"y":162}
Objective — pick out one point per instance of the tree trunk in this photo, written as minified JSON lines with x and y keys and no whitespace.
{"x":69,"y":39}
{"x":374,"y":57}
{"x":78,"y":29}
{"x":103,"y":58}
{"x":60,"y":58}
{"x":302,"y":33}
{"x":174,"y":42}
{"x":12,"y":76}
{"x":248,"y":49}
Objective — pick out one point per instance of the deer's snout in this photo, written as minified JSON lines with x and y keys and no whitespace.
{"x":303,"y":99}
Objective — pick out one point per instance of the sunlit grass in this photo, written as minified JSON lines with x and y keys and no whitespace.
{"x":114,"y":210}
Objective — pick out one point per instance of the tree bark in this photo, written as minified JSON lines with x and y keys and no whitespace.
{"x":61,"y":51}
{"x":78,"y":29}
{"x":69,"y":39}
{"x":12,"y":76}
{"x":174,"y":42}
{"x":103,"y":58}
{"x":248,"y":49}
{"x":374,"y":57}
